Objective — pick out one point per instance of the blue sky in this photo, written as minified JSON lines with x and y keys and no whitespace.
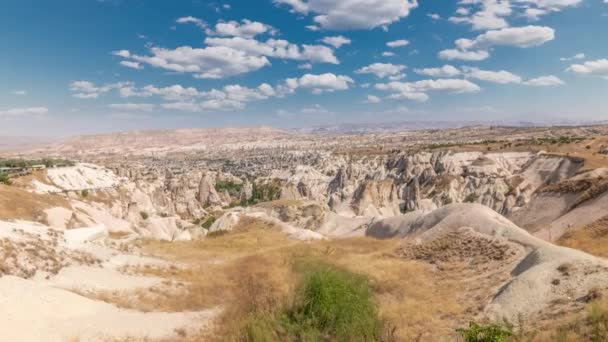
{"x":86,"y":66}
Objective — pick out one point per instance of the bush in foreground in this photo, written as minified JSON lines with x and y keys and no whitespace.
{"x":485,"y":333}
{"x":330,"y":303}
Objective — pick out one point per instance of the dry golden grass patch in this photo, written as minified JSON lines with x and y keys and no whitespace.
{"x":592,"y":239}
{"x":17,"y":203}
{"x":252,"y":270}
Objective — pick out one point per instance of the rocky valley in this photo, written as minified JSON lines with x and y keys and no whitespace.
{"x":155,"y":235}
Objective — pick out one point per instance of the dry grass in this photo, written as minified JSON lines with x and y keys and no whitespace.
{"x":592,"y":239}
{"x":252,"y":270}
{"x":17,"y":203}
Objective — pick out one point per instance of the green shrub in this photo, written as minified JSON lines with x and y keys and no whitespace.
{"x":144,"y":215}
{"x":84,"y":193}
{"x":208,"y":222}
{"x":4,"y":179}
{"x":486,"y":333}
{"x":329,"y":304}
{"x":232,"y":188}
{"x":336,"y":303}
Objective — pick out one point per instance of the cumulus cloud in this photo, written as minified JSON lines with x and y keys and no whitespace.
{"x":352,"y":14}
{"x":398,"y":43}
{"x":491,"y":15}
{"x":545,"y":81}
{"x":318,"y":84}
{"x":444,"y":71}
{"x":336,"y":41}
{"x":225,"y":57}
{"x":19,"y":92}
{"x":416,"y":91}
{"x":521,"y":37}
{"x":246,"y":29}
{"x":593,"y":68}
{"x":383,"y":70}
{"x":434,"y":16}
{"x":500,"y":77}
{"x":473,"y":56}
{"x":230,"y":50}
{"x":24,"y":112}
{"x":388,"y":54}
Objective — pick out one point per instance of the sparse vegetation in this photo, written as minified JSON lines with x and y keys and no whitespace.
{"x":84,"y":193}
{"x":27,"y":163}
{"x":233,"y":189}
{"x":144,"y":215}
{"x":208,"y":222}
{"x":471,"y":198}
{"x":494,"y":332}
{"x":263,"y":193}
{"x":4,"y":179}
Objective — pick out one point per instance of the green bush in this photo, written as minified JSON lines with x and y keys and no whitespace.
{"x":4,"y":179}
{"x":486,"y":333}
{"x":334,"y":303}
{"x":330,"y":304}
{"x":208,"y":222}
{"x":84,"y":193}
{"x":232,"y":188}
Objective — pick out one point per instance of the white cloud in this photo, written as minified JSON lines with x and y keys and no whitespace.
{"x":211,"y":62}
{"x":372,"y":99}
{"x":192,"y":20}
{"x":88,"y":90}
{"x":575,"y":57}
{"x":452,"y":54}
{"x":145,"y":107}
{"x":318,"y":83}
{"x":545,"y":81}
{"x":132,"y":65}
{"x":246,"y":29}
{"x":305,"y":66}
{"x":491,"y":15}
{"x":352,"y":14}
{"x":416,"y":91}
{"x":388,"y":54}
{"x":24,"y":112}
{"x":19,"y":92}
{"x":593,"y":68}
{"x":444,"y":71}
{"x":228,"y":56}
{"x":336,"y":41}
{"x":521,"y":37}
{"x":434,"y":16}
{"x":398,"y":43}
{"x":277,"y":48}
{"x":382,"y":70}
{"x":500,"y":77}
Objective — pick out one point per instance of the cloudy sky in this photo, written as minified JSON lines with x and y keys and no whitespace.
{"x":85,"y":66}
